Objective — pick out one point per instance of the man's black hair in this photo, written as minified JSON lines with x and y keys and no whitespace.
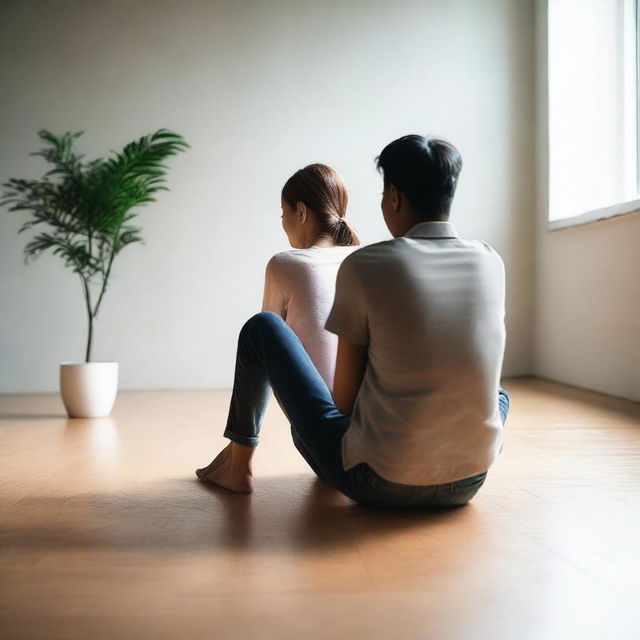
{"x":425,"y":171}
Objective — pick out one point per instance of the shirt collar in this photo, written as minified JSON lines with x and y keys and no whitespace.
{"x":432,"y":230}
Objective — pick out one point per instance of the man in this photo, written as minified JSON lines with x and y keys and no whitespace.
{"x":416,"y":415}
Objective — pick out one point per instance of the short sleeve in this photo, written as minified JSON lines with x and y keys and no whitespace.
{"x":349,"y":318}
{"x":274,"y":297}
{"x":501,"y":270}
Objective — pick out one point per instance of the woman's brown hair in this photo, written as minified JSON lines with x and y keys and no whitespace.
{"x":324,"y":193}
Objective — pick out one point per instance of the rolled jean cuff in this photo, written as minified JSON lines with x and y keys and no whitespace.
{"x":245,"y":441}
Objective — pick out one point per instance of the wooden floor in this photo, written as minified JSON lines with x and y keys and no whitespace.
{"x":105,"y":533}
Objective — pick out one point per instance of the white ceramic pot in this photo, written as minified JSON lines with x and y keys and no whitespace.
{"x":88,"y":389}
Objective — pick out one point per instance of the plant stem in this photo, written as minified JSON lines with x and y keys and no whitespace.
{"x":87,"y":356}
{"x":87,"y":299}
{"x":108,"y":272}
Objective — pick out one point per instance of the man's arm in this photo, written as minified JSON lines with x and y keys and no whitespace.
{"x":351,"y":363}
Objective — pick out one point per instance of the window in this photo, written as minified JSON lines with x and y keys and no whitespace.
{"x":593,"y":110}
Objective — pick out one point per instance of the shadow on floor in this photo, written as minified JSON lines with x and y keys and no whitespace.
{"x":286,"y":513}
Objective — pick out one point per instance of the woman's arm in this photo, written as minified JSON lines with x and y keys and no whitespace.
{"x":274,"y":298}
{"x":351,"y":363}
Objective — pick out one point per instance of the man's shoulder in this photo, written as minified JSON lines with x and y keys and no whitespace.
{"x":485,"y":246}
{"x":372,"y":253}
{"x":485,"y":251}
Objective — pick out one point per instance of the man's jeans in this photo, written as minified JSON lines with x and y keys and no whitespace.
{"x":270,"y":356}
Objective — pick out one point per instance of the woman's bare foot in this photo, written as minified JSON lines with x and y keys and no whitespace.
{"x":230,"y":469}
{"x":217,"y":461}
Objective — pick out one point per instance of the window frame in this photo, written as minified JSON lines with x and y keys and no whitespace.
{"x":619,"y":209}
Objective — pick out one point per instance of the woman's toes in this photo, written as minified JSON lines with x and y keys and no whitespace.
{"x":203,"y":470}
{"x":216,"y":462}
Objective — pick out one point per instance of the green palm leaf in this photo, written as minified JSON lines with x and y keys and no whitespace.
{"x":87,"y":207}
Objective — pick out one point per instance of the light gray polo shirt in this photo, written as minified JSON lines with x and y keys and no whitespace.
{"x":429,"y":306}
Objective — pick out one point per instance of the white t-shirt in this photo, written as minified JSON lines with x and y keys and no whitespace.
{"x":299,"y":286}
{"x":430,"y":308}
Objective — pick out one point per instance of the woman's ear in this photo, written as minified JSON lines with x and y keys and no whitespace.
{"x":301,"y":212}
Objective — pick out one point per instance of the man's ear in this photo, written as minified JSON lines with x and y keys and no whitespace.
{"x":395,"y":197}
{"x":301,"y":212}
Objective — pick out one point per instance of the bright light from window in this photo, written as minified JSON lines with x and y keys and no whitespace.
{"x":593,"y":105}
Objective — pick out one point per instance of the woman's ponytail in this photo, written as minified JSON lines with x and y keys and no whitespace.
{"x":343,"y":235}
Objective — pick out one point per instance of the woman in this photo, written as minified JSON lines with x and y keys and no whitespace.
{"x":300,"y":283}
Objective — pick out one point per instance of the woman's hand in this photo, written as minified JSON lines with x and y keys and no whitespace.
{"x":351,"y":364}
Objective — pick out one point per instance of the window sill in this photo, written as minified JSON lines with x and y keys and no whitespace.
{"x":623,"y":209}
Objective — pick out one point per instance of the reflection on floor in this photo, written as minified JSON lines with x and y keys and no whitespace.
{"x":105,"y":533}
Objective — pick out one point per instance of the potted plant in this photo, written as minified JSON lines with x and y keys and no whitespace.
{"x":84,"y":212}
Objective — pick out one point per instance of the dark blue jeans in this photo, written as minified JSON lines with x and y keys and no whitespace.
{"x":270,"y":356}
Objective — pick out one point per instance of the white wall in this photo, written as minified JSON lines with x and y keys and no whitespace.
{"x":259,"y":89}
{"x":587,"y":303}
